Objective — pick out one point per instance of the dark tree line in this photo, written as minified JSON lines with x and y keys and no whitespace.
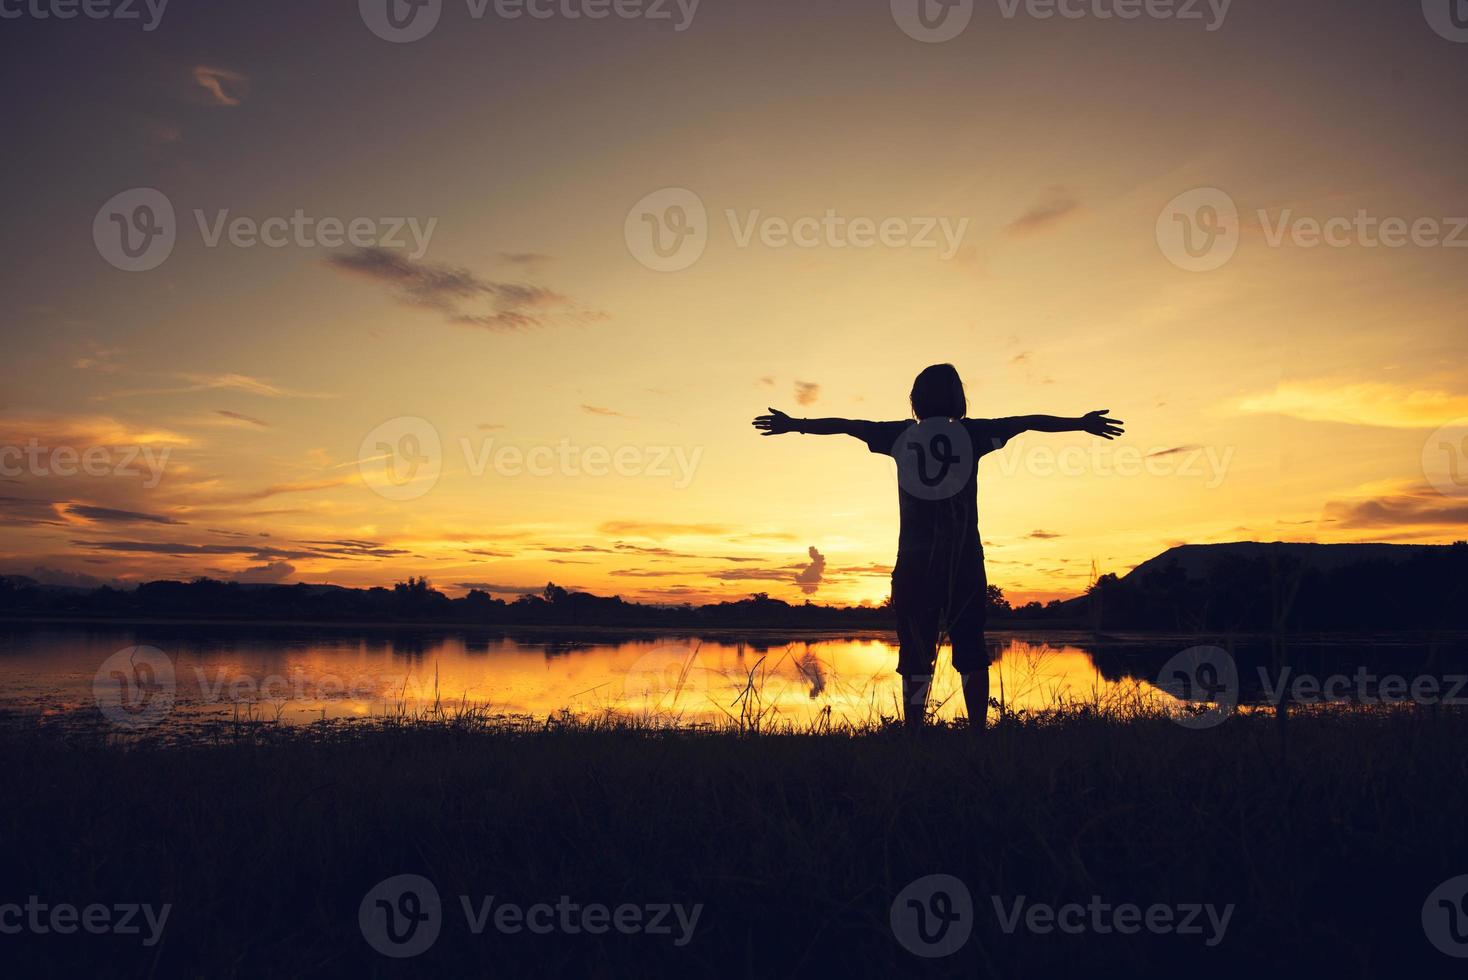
{"x":416,"y":601}
{"x":1259,"y":591}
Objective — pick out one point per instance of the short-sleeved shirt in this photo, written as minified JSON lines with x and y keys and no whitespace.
{"x":937,"y":464}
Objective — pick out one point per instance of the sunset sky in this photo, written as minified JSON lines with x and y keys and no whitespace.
{"x":1290,"y":393}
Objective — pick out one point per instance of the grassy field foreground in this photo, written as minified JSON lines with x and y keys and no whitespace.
{"x":1326,"y":838}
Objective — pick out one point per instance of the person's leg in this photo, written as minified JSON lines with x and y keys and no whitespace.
{"x":915,"y":699}
{"x":917,"y":640}
{"x":976,"y":697}
{"x":970,"y":647}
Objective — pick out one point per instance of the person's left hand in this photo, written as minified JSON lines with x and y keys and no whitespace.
{"x":1098,"y":424}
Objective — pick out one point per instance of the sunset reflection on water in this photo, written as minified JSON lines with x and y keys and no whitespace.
{"x":299,"y":676}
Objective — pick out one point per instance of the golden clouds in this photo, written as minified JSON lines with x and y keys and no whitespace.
{"x":1359,"y":403}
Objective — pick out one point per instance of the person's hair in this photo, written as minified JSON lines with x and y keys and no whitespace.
{"x":938,"y":392}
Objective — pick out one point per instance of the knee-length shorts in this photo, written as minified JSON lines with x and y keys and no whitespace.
{"x":937,"y":598}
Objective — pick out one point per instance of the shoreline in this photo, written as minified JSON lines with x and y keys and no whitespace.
{"x":1004,"y":629}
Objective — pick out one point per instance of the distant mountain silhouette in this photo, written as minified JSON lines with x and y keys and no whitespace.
{"x":1195,"y":559}
{"x":1258,"y":586}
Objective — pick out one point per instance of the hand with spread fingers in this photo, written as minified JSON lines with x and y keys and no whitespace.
{"x":774,"y":424}
{"x":1097,"y":424}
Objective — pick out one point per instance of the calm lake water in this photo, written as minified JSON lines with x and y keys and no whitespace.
{"x":180,"y":678}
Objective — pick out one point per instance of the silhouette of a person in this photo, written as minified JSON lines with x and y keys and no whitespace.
{"x":938,"y":583}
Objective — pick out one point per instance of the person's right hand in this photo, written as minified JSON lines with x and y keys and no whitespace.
{"x":774,"y":424}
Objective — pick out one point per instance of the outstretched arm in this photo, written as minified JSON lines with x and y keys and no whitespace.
{"x":1096,"y":423}
{"x":778,"y":423}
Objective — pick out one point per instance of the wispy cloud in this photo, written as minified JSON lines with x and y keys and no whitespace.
{"x":261,"y":552}
{"x":769,"y":536}
{"x":240,"y":417}
{"x":47,"y":575}
{"x":1057,"y":205}
{"x":111,"y":515}
{"x":497,"y":589}
{"x":303,"y":486}
{"x":95,"y":357}
{"x":194,"y":382}
{"x":272,"y":573}
{"x":220,"y":86}
{"x":27,"y":512}
{"x":82,"y":431}
{"x":1404,"y":507}
{"x":1359,"y":403}
{"x":599,"y":410}
{"x":187,"y":548}
{"x":525,"y":258}
{"x":806,"y":392}
{"x":448,"y":290}
{"x":659,"y":529}
{"x":1172,"y":452}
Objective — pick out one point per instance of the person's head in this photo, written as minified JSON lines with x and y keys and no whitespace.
{"x":938,"y":393}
